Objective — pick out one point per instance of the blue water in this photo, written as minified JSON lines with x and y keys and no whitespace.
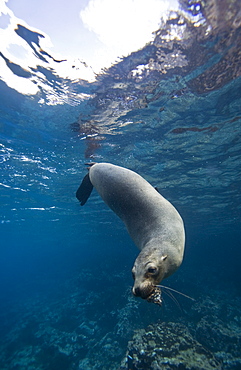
{"x":65,"y":270}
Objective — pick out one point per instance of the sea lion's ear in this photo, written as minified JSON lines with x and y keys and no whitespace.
{"x":163,"y":258}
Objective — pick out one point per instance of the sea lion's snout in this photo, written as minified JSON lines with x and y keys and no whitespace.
{"x":142,"y":291}
{"x":150,"y":293}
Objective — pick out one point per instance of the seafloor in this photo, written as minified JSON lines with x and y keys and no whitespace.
{"x":77,"y":328}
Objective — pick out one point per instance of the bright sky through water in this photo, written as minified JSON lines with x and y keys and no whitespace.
{"x":93,"y":31}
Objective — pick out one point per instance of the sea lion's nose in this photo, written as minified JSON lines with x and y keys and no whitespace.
{"x":136,"y":291}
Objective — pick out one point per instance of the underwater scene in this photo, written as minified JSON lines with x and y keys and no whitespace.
{"x":170,"y":111}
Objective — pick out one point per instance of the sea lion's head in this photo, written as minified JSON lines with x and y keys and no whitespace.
{"x":148,"y":271}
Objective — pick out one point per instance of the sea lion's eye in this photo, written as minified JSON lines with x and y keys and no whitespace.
{"x":152,"y":270}
{"x":133,"y":275}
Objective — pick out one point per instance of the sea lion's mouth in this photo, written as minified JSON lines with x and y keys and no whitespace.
{"x":150,"y":293}
{"x":143,"y":291}
{"x":155,"y":296}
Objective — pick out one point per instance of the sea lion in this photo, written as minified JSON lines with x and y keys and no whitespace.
{"x":152,"y":222}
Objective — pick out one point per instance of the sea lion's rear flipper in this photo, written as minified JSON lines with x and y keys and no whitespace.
{"x":84,"y":190}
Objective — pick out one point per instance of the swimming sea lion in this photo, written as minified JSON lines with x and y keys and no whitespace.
{"x":152,"y":222}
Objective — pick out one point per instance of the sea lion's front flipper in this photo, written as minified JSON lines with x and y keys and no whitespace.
{"x":84,"y":190}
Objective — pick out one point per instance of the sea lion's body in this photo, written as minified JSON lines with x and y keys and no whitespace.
{"x":152,"y":222}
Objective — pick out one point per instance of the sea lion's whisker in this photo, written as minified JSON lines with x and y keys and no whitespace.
{"x":175,"y":291}
{"x":170,"y":295}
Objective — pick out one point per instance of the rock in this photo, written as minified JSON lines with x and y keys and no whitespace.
{"x":168,"y":345}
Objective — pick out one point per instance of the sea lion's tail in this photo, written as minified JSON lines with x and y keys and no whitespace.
{"x":84,"y":190}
